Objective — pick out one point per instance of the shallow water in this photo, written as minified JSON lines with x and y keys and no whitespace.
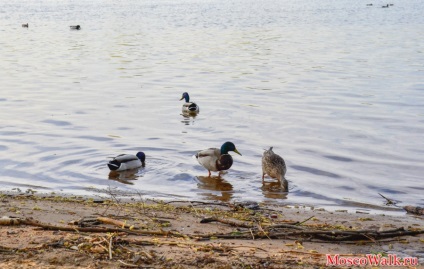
{"x":336,"y":88}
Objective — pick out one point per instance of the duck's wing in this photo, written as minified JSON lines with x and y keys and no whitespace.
{"x":208,"y":157}
{"x":190,"y":107}
{"x":193,"y":107}
{"x":273,"y":164}
{"x":125,"y":158}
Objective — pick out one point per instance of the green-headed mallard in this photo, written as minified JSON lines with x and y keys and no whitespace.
{"x":215,"y":159}
{"x":75,"y":27}
{"x":274,"y":166}
{"x":127,"y":161}
{"x":189,"y":107}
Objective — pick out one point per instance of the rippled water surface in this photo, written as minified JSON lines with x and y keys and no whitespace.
{"x":336,"y":87}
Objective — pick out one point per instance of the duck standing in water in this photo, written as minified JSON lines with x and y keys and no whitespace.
{"x":127,"y":161}
{"x":215,"y":159}
{"x":189,"y":107}
{"x":274,"y":166}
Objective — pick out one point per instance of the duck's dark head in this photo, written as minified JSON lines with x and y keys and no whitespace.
{"x":141,"y":156}
{"x":229,"y":146}
{"x":186,"y":97}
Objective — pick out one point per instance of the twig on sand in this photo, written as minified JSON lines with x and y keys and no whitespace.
{"x":117,"y":223}
{"x":44,"y":226}
{"x":110,"y":247}
{"x":129,"y":265}
{"x":227,"y":221}
{"x":300,"y":223}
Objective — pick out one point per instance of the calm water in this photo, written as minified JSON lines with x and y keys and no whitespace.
{"x":336,"y":87}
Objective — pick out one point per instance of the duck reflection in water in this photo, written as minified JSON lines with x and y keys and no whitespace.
{"x":216,"y":184}
{"x":125,"y":177}
{"x":188,"y":118}
{"x":274,"y":190}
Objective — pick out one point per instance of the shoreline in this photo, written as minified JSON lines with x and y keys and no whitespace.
{"x":174,"y":237}
{"x":347,"y":206}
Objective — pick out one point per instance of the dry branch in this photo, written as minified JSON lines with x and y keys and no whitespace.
{"x":278,"y":231}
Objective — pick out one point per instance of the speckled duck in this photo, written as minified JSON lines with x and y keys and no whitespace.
{"x":274,"y":166}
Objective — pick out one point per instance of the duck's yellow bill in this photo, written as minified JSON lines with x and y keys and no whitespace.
{"x":236,"y":151}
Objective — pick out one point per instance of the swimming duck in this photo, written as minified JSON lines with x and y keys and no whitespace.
{"x":274,"y":166}
{"x":385,"y":6}
{"x":25,"y":25}
{"x":127,"y":161}
{"x":215,"y":159}
{"x":189,"y":107}
{"x":75,"y":27}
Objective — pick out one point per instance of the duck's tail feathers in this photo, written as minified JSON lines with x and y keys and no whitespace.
{"x":113,"y":165}
{"x":284,"y":184}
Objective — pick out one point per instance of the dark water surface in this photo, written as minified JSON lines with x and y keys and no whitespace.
{"x":336,"y":87}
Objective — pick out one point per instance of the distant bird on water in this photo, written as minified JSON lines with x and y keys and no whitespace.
{"x":127,"y":161}
{"x":215,"y":159}
{"x":385,"y":6}
{"x":369,"y":4}
{"x":75,"y":27}
{"x":274,"y":166}
{"x":25,"y":25}
{"x":189,"y":107}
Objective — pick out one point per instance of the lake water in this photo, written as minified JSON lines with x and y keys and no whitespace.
{"x":336,"y":87}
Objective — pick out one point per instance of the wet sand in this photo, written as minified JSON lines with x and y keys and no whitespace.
{"x":179,"y":241}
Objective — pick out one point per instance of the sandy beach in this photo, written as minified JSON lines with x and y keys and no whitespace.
{"x":48,"y":231}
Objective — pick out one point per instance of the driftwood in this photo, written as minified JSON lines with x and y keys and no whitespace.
{"x":226,"y":221}
{"x":278,"y":231}
{"x":117,"y":223}
{"x":416,"y":210}
{"x":337,"y":236}
{"x":285,"y":231}
{"x":32,"y":222}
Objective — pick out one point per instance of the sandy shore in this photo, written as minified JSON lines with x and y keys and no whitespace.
{"x":154,"y":234}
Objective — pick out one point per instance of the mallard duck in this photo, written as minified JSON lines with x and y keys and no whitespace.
{"x":75,"y":27}
{"x":25,"y":25}
{"x":274,"y":166}
{"x":385,"y":6}
{"x":215,"y":159}
{"x":189,"y":107}
{"x":127,"y":161}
